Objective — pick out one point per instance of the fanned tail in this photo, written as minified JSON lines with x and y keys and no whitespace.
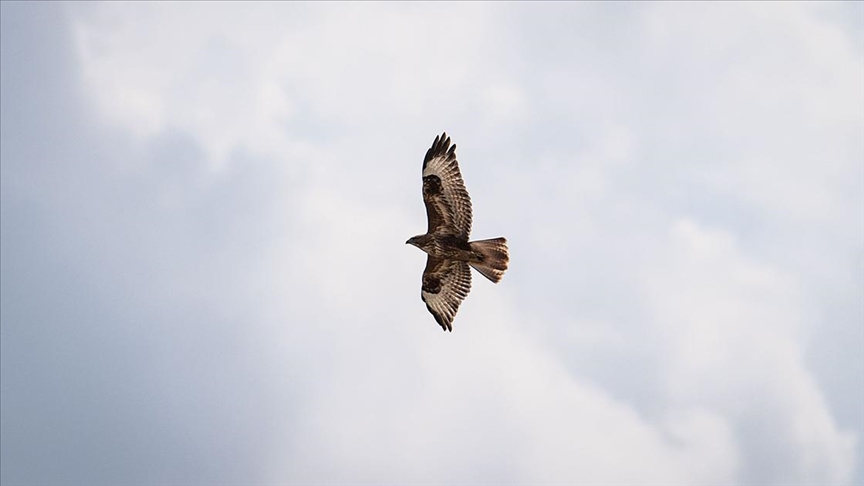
{"x":495,"y":258}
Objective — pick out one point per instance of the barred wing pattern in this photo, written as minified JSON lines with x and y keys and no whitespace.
{"x":448,"y":206}
{"x":446,"y":283}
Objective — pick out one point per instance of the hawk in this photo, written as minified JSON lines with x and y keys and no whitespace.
{"x":447,"y":278}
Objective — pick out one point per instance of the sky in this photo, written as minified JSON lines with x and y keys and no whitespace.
{"x":204,"y":276}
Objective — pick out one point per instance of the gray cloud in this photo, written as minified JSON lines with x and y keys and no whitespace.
{"x":125,"y":356}
{"x":179,"y":304}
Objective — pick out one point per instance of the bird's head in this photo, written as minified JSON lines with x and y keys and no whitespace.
{"x":414,"y":240}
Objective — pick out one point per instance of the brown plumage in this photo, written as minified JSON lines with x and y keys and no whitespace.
{"x":447,"y":278}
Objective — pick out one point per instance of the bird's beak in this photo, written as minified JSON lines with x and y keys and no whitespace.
{"x":407,"y":242}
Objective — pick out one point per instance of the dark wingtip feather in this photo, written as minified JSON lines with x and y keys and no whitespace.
{"x":444,"y":326}
{"x":439,"y":147}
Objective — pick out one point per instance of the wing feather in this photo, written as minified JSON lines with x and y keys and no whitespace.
{"x":446,"y":283}
{"x":448,"y":206}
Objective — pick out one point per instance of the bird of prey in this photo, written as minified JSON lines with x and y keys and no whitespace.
{"x":447,"y":278}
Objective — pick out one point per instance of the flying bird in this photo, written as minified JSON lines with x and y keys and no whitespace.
{"x":447,"y":278}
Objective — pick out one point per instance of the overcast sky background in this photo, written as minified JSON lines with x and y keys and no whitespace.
{"x":205,"y":280}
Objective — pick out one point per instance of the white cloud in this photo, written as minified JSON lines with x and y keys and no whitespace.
{"x":342,"y":66}
{"x":733,"y":335}
{"x":636,"y":339}
{"x":491,"y":404}
{"x":505,"y":103}
{"x":779,"y":88}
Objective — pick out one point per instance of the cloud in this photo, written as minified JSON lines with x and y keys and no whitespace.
{"x":732,"y":329}
{"x":204,"y":276}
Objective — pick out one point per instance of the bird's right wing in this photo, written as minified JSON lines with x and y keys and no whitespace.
{"x":446,"y":283}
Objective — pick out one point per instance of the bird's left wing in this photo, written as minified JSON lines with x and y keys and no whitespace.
{"x":448,"y":206}
{"x":446,"y":283}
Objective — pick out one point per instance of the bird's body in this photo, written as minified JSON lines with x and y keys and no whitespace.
{"x":448,"y":247}
{"x":447,"y":277}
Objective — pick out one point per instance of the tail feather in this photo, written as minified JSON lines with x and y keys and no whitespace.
{"x":495,"y":258}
